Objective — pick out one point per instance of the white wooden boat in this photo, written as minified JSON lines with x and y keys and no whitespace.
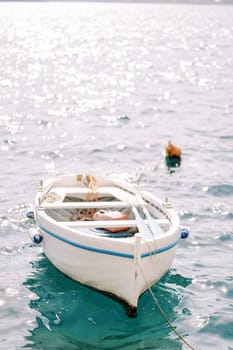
{"x":123,"y":263}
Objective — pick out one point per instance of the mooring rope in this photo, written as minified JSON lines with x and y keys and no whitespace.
{"x":163,"y":312}
{"x":157,"y":165}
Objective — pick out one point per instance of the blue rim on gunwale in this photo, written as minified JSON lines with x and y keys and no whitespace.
{"x":110,"y":252}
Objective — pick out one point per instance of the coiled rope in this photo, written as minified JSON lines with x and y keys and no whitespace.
{"x":163,"y":312}
{"x":91,"y":183}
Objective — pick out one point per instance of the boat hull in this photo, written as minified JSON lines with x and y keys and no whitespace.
{"x":121,"y":266}
{"x":122,"y":273}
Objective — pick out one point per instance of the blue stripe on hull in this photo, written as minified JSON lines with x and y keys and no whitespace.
{"x":109,"y":252}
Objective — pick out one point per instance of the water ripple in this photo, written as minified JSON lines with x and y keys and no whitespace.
{"x":221,"y":190}
{"x":102,"y":88}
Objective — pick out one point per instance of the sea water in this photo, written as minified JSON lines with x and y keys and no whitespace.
{"x":101,"y":88}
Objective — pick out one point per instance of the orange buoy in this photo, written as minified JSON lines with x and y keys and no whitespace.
{"x":173,"y":156}
{"x":172,"y":150}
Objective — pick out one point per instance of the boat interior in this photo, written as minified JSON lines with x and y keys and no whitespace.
{"x":107,"y":211}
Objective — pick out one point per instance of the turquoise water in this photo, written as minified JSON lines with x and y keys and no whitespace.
{"x":101,"y":88}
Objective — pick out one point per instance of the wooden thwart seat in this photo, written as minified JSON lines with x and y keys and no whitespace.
{"x":108,"y":223}
{"x":85,"y":205}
